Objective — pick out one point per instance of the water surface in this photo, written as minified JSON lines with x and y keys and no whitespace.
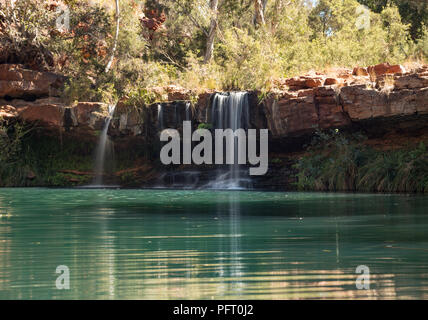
{"x":158,"y":244}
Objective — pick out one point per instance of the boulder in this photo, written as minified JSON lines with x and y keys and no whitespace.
{"x":304,"y":82}
{"x":411,"y":81}
{"x":331,"y":81}
{"x":49,"y":115}
{"x":385,"y":68}
{"x":314,"y":82}
{"x":84,"y":112}
{"x":7,"y":112}
{"x":359,"y":71}
{"x":177,"y":93}
{"x":17,"y":82}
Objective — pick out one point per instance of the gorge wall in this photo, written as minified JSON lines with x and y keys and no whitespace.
{"x":387,"y":103}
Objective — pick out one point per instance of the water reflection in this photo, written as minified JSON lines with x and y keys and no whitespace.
{"x":128,"y":244}
{"x":235,"y":243}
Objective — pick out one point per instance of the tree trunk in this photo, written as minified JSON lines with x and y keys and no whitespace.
{"x":259,"y":6}
{"x":116,"y":37}
{"x":213,"y":31}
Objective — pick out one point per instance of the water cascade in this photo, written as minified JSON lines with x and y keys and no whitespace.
{"x":188,"y":112}
{"x":231,"y":110}
{"x":104,"y":147}
{"x":160,"y":117}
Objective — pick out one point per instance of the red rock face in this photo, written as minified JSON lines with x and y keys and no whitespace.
{"x":201,"y":107}
{"x":385,"y":68}
{"x":343,"y":100}
{"x":83,"y":110}
{"x":396,"y":69}
{"x":358,"y":71}
{"x":312,"y":109}
{"x":330,"y":111}
{"x":411,"y":81}
{"x":43,"y":115}
{"x":17,"y":82}
{"x":291,"y":116}
{"x":177,"y":93}
{"x":303,"y":104}
{"x":304,"y":82}
{"x":331,"y":81}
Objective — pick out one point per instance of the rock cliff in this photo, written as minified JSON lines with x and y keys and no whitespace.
{"x":387,"y":102}
{"x":299,"y":105}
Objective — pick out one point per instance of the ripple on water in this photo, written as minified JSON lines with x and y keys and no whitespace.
{"x":199,"y":244}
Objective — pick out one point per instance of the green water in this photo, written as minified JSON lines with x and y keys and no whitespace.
{"x":153,"y":244}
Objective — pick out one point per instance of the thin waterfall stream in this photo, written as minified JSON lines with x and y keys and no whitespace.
{"x":104,"y":146}
{"x":160,"y":117}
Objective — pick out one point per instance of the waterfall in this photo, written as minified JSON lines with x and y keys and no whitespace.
{"x":231,"y":110}
{"x":188,"y":112}
{"x":104,"y":145}
{"x":160,"y":117}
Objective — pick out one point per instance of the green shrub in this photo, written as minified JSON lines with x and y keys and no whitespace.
{"x":207,"y":126}
{"x":336,"y":162}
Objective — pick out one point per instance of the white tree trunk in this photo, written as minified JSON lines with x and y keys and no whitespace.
{"x":116,"y":37}
{"x":259,"y":6}
{"x":213,"y":31}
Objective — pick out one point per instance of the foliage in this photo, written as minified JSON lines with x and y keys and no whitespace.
{"x":163,"y":42}
{"x":413,"y":12}
{"x":297,"y":39}
{"x":338,"y":162}
{"x":25,"y":34}
{"x":396,"y":171}
{"x":11,"y":146}
{"x":208,"y":126}
{"x":422,"y":44}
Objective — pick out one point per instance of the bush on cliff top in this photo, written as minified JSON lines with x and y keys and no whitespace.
{"x":164,"y":42}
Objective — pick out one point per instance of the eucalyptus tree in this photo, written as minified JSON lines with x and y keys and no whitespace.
{"x":213,"y":30}
{"x":116,"y":37}
{"x":413,"y":12}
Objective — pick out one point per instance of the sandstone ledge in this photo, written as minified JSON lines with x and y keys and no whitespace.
{"x":298,"y":106}
{"x":17,"y":82}
{"x":352,"y":98}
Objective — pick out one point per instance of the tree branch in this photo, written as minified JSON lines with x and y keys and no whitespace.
{"x":115,"y":38}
